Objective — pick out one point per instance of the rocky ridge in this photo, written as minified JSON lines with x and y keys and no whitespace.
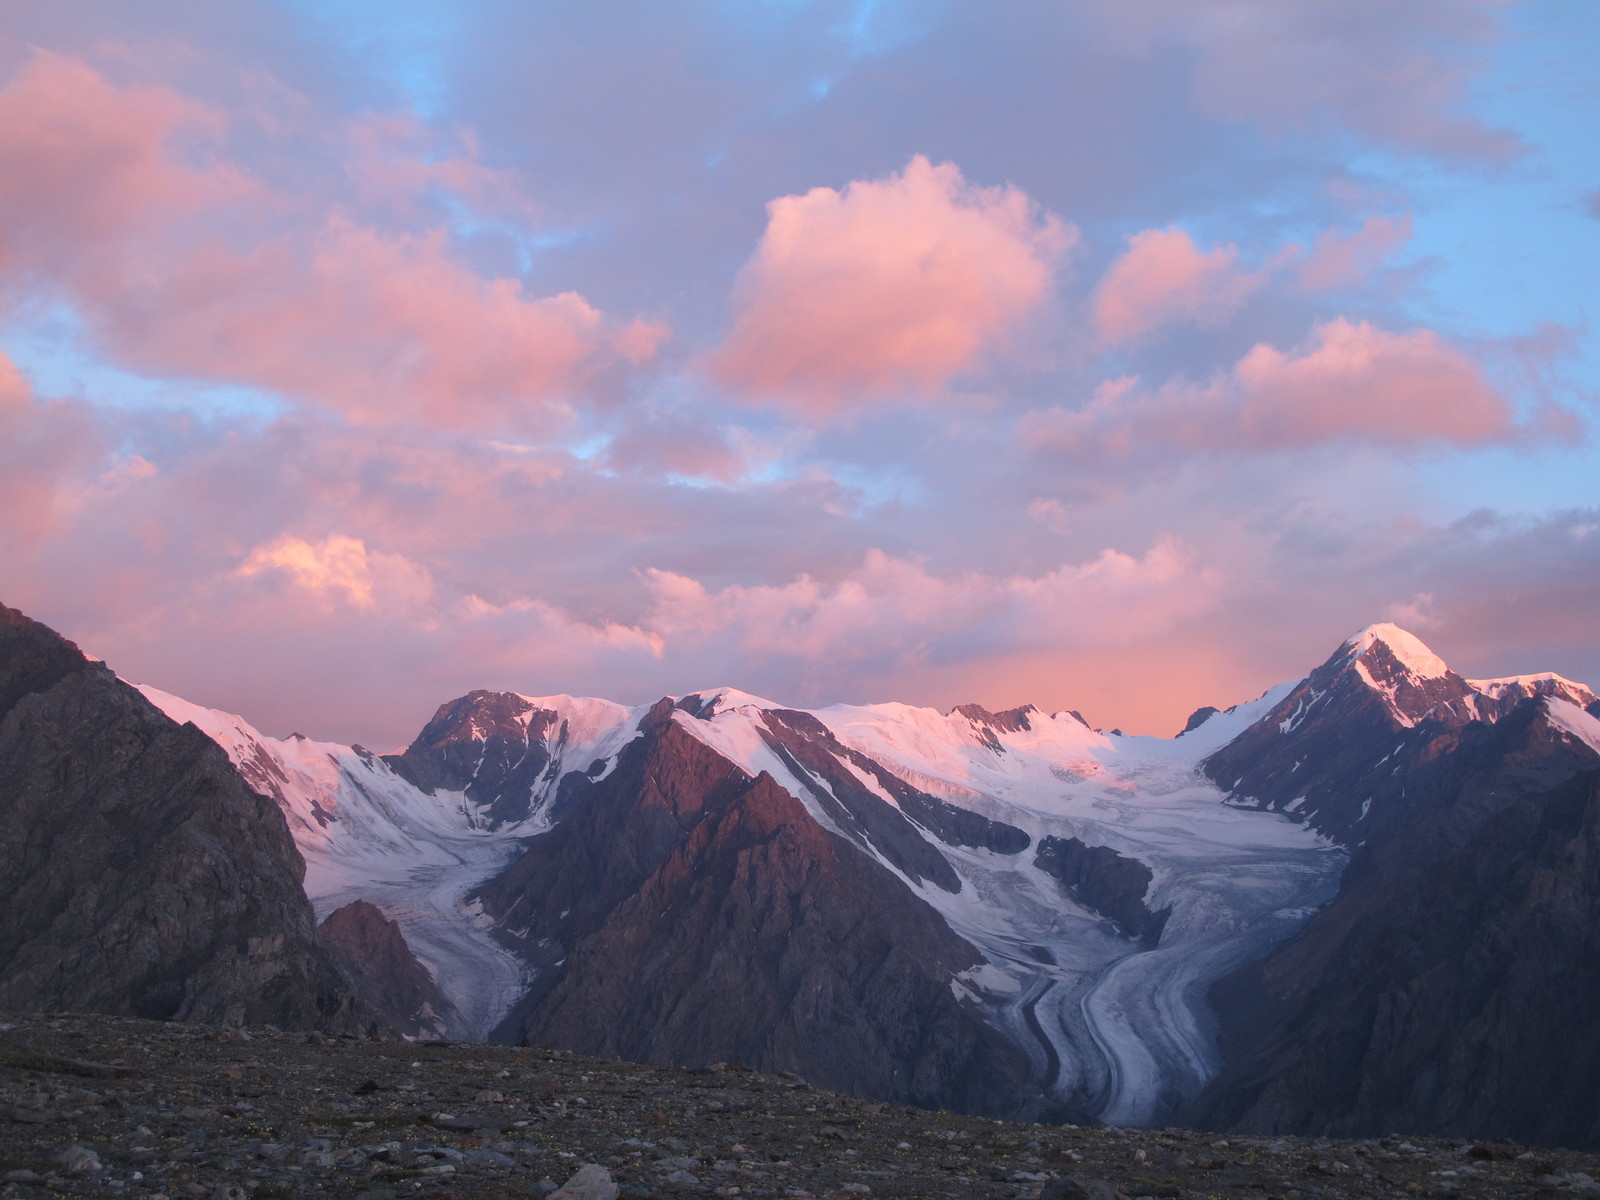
{"x":139,"y":874}
{"x":386,"y":973}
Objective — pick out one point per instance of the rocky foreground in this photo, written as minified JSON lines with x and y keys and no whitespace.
{"x":111,"y":1106}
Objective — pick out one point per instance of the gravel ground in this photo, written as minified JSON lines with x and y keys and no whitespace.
{"x":106,"y":1106}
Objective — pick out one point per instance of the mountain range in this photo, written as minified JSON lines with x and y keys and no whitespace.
{"x":1366,"y":901}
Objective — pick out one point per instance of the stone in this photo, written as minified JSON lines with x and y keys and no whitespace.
{"x":1077,"y":1187}
{"x":78,"y":1160}
{"x":591,"y":1182}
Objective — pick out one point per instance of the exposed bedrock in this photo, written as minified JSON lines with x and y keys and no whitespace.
{"x":489,"y":745}
{"x":387,"y":974}
{"x":139,"y":875}
{"x":1103,"y":881}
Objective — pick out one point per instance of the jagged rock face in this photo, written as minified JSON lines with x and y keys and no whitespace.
{"x":1105,"y":882}
{"x":703,"y":916}
{"x":387,"y":975}
{"x":1198,"y":718}
{"x":1327,"y":753}
{"x":1010,"y":720}
{"x":1451,"y":986}
{"x":139,"y":875}
{"x":490,"y":745}
{"x":1501,"y":696}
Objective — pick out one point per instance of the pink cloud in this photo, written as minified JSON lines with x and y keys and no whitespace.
{"x":889,"y":286}
{"x":341,"y":570}
{"x":1348,"y":382}
{"x":393,"y":157}
{"x":639,"y":340}
{"x":1345,"y":260}
{"x":181,"y":263}
{"x":1163,"y":278}
{"x":44,"y":450}
{"x":893,"y":612}
{"x":85,"y":163}
{"x":659,"y":442}
{"x":381,"y":327}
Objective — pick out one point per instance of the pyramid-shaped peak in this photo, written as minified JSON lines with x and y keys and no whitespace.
{"x":1406,"y":648}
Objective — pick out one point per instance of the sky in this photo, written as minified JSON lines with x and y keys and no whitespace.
{"x":1106,"y":356}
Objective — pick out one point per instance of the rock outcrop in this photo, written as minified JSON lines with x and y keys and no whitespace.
{"x":1328,"y":752}
{"x":1105,"y":882}
{"x":387,"y":975}
{"x":139,"y":875}
{"x":488,"y":745}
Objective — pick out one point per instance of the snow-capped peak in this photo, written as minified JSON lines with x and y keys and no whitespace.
{"x":1512,"y":688}
{"x":1406,"y":648}
{"x":588,"y":719}
{"x":728,"y":699}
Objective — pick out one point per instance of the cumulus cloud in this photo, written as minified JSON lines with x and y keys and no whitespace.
{"x":122,"y":201}
{"x":379,"y":326}
{"x":890,"y":286}
{"x":1164,"y":278}
{"x":1350,"y":381}
{"x":338,"y":569}
{"x":668,"y":443}
{"x":85,"y":165}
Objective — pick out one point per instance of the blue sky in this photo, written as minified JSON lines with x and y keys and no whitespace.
{"x":1109,"y":357}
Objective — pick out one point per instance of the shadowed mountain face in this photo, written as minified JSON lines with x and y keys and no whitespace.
{"x":1329,"y":751}
{"x":1451,"y":985}
{"x":490,"y":746}
{"x":386,"y":974}
{"x":699,"y":915}
{"x":1102,"y":880}
{"x":138,"y":874}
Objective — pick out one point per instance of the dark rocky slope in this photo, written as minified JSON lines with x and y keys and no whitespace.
{"x":700,"y":915}
{"x":386,"y":974}
{"x":1332,"y":751}
{"x":1105,"y":882}
{"x":139,"y":875}
{"x":1452,"y":985}
{"x":490,"y":745}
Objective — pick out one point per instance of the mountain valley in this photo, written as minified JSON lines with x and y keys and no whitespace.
{"x":1357,"y":905}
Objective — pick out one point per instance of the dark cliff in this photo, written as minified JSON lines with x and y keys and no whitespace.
{"x":1451,"y":987}
{"x":1105,"y":882}
{"x":387,"y":974}
{"x":489,"y":745}
{"x":139,"y":875}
